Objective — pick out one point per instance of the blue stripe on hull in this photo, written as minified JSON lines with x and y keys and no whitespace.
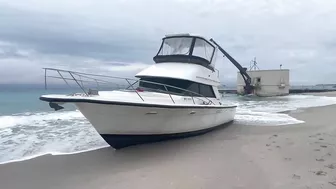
{"x":122,"y":141}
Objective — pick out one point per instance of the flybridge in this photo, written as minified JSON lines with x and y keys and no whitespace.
{"x":186,"y":48}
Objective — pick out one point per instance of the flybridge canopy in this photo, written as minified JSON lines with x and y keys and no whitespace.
{"x":186,"y":48}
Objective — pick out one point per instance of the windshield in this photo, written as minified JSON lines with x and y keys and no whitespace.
{"x":184,"y":45}
{"x":176,"y":46}
{"x":203,"y":49}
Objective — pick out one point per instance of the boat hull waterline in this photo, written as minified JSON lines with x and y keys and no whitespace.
{"x":118,"y":141}
{"x":122,"y":125}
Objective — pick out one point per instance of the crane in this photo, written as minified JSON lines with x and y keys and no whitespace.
{"x":248,"y":88}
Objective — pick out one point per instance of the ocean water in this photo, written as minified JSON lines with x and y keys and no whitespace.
{"x":29,"y":128}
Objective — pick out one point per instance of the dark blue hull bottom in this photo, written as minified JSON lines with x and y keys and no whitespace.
{"x":122,"y":141}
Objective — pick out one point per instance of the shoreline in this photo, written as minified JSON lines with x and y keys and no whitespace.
{"x":289,"y":156}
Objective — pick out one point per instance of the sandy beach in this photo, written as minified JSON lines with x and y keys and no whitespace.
{"x":238,"y":156}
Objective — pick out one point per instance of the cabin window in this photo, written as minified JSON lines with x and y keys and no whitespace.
{"x":176,"y":46}
{"x":203,"y":49}
{"x":206,"y":90}
{"x":195,"y":88}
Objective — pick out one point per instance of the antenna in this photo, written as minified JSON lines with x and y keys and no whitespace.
{"x":253,"y":64}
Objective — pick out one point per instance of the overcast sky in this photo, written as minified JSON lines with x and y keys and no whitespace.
{"x":121,"y":37}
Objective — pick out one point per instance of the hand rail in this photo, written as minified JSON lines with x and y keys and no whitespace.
{"x":134,"y":89}
{"x":80,"y":82}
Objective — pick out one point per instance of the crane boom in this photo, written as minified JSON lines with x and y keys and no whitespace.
{"x":247,"y":79}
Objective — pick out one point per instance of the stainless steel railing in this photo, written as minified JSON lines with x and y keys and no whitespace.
{"x":86,"y":82}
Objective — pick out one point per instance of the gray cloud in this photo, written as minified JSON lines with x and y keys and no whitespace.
{"x":123,"y":36}
{"x":58,"y":34}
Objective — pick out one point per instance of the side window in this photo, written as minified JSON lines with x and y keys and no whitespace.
{"x":206,"y":91}
{"x":197,"y":88}
{"x":180,"y":84}
{"x":194,"y":87}
{"x":146,"y":83}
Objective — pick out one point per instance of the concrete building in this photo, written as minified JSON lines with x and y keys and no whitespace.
{"x":266,"y":82}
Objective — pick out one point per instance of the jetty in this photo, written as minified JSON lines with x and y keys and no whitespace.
{"x":292,"y":90}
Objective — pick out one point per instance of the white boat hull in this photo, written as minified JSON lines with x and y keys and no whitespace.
{"x":132,"y":120}
{"x":125,"y":125}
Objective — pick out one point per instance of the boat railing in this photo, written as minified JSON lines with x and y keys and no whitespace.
{"x":86,"y":82}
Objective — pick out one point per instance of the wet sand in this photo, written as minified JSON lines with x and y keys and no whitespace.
{"x":252,"y":157}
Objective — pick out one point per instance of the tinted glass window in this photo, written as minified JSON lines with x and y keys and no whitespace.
{"x":202,"y":89}
{"x":146,"y":83}
{"x":194,"y":87}
{"x":206,"y":90}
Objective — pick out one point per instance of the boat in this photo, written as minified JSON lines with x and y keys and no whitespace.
{"x":176,"y":97}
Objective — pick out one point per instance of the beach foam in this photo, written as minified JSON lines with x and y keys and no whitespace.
{"x":25,"y":136}
{"x":40,"y":118}
{"x":267,"y":111}
{"x":247,"y":117}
